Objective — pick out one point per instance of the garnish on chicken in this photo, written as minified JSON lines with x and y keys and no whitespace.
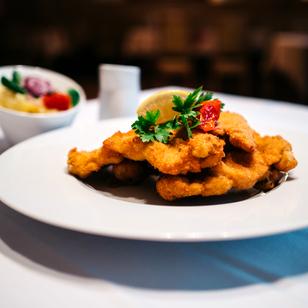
{"x":197,"y":110}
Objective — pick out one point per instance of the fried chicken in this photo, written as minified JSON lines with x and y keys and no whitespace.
{"x":276,"y":151}
{"x":231,"y":157}
{"x":240,"y":134}
{"x":83,"y":163}
{"x":130,"y":171}
{"x":177,"y":187}
{"x":127,"y":144}
{"x":177,"y":157}
{"x":238,"y":170}
{"x":183,"y":156}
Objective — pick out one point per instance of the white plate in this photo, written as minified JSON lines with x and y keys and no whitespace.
{"x":34,"y":181}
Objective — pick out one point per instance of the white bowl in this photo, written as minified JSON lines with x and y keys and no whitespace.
{"x":18,"y":126}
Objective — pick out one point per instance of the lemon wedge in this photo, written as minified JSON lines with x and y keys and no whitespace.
{"x":161,"y":101}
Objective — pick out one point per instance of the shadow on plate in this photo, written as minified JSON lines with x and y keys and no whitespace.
{"x":145,"y":192}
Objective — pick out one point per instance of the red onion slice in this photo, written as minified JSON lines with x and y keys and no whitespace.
{"x":36,"y":86}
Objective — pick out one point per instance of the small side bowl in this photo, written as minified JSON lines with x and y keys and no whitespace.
{"x":18,"y":126}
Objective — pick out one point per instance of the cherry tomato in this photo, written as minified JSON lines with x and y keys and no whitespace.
{"x":57,"y":101}
{"x":209,"y":114}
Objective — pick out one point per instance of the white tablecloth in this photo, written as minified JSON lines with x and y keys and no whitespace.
{"x":45,"y":266}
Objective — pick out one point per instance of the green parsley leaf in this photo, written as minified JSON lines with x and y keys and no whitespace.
{"x":162,"y":134}
{"x":206,"y":96}
{"x":148,"y":130}
{"x":188,"y":109}
{"x":152,"y":116}
{"x":178,"y":103}
{"x":193,"y":98}
{"x":186,"y":125}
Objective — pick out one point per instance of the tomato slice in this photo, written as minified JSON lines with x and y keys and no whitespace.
{"x":209,"y":114}
{"x":57,"y":101}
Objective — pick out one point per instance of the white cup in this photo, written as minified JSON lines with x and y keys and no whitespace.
{"x":119,"y":89}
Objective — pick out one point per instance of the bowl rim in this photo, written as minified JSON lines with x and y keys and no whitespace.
{"x":60,"y":113}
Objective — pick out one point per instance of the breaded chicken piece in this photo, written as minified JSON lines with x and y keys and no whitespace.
{"x":176,"y":187}
{"x":276,"y":151}
{"x":238,"y":170}
{"x":183,"y":156}
{"x":127,"y":144}
{"x":130,"y":171}
{"x":83,"y":163}
{"x":240,"y":134}
{"x":244,"y":169}
{"x":177,"y":157}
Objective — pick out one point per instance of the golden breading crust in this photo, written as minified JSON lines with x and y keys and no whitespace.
{"x":177,"y":157}
{"x":175,"y":187}
{"x":276,"y":151}
{"x":244,"y":169}
{"x":240,"y":134}
{"x":130,"y":171}
{"x":83,"y":163}
{"x":183,"y":156}
{"x":127,"y":144}
{"x":239,"y":170}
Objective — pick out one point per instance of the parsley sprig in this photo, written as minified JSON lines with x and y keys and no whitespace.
{"x":148,"y":130}
{"x":187,"y":118}
{"x":188,"y":109}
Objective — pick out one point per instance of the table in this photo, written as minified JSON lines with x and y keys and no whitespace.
{"x":45,"y":266}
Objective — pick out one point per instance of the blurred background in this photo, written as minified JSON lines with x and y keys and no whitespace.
{"x":248,"y":47}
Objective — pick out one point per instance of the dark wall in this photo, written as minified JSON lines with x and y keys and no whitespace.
{"x":226,"y":45}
